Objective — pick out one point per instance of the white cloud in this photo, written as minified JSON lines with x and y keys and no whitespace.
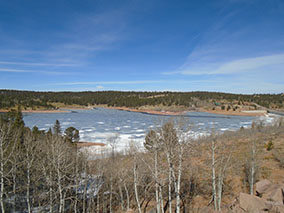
{"x":81,"y":39}
{"x":16,"y":70}
{"x":108,"y":82}
{"x":254,"y":64}
{"x":32,"y":71}
{"x":38,"y":64}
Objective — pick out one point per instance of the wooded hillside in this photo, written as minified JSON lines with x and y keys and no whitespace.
{"x":48,"y":100}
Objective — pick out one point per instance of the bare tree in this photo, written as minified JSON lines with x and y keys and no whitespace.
{"x":153,"y":145}
{"x":180,"y":155}
{"x":170,"y":141}
{"x":29,"y":145}
{"x":213,"y":165}
{"x":220,"y":158}
{"x":6,"y":151}
{"x":251,"y":165}
{"x":135,"y":175}
{"x":61,"y":160}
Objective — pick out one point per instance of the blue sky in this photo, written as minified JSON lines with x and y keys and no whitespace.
{"x":155,"y":45}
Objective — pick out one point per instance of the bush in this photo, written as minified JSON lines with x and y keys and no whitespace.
{"x":269,"y":146}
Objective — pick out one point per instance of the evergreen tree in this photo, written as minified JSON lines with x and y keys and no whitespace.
{"x":19,"y":122}
{"x":71,"y":134}
{"x":57,"y":128}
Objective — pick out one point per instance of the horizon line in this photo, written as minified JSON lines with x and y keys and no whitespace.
{"x":160,"y":91}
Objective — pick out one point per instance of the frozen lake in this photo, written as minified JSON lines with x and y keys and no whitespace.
{"x":97,"y":125}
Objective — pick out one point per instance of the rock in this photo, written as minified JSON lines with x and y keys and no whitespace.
{"x":277,"y":208}
{"x":235,"y":206}
{"x":276,"y":196}
{"x":270,"y":192}
{"x":252,"y":203}
{"x":270,"y":197}
{"x":262,"y":186}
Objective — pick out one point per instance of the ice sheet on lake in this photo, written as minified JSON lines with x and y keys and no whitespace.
{"x":130,"y":127}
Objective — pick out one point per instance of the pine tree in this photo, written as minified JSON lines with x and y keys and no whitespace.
{"x":71,"y":134}
{"x":57,"y":128}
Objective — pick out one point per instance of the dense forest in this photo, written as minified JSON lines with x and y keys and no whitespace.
{"x":48,"y":100}
{"x":45,"y":172}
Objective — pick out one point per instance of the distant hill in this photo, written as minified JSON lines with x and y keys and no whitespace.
{"x":208,"y":100}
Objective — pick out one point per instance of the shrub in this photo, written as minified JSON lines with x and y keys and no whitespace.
{"x":269,"y":146}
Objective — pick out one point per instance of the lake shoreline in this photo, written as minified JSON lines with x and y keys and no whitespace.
{"x":39,"y":111}
{"x":182,"y":112}
{"x":178,"y":112}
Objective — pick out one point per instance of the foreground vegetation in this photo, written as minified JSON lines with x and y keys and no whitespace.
{"x":211,"y":100}
{"x":45,"y":172}
{"x":39,"y":171}
{"x":178,"y":174}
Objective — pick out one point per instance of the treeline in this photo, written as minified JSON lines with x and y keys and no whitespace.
{"x":33,"y":100}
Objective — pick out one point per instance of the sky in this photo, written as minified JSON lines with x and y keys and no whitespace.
{"x":234,"y":46}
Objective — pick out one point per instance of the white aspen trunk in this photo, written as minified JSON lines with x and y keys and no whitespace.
{"x":104,"y":202}
{"x":156,"y":182}
{"x":252,"y":168}
{"x":61,"y":199}
{"x":170,"y":193}
{"x":28,"y":189}
{"x":214,"y":193}
{"x":76,"y":184}
{"x":252,"y":179}
{"x":161,"y":199}
{"x":50,"y":192}
{"x":2,"y":178}
{"x":127,"y":196}
{"x":53,"y":164}
{"x":179,"y":180}
{"x":220,"y":189}
{"x":90,"y":204}
{"x":135,"y":186}
{"x":221,"y":175}
{"x":61,"y":202}
{"x":14,"y":185}
{"x":170,"y":183}
{"x":84,"y":196}
{"x":98,"y":202}
{"x":3,"y":136}
{"x":30,"y":144}
{"x":121,"y":197}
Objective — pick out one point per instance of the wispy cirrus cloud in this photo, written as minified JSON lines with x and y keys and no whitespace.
{"x":39,"y":64}
{"x":33,"y":71}
{"x":83,"y":36}
{"x":252,"y":64}
{"x":108,"y":82}
{"x":88,"y":35}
